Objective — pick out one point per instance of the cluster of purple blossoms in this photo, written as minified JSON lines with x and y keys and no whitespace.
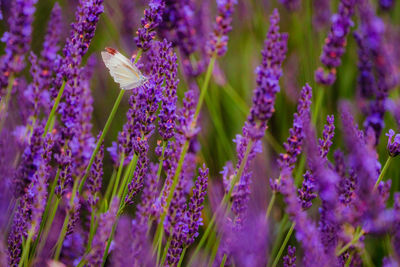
{"x":179,"y":25}
{"x":372,"y":30}
{"x":393,"y":145}
{"x":218,"y":42}
{"x":17,"y":40}
{"x":290,"y":259}
{"x":296,"y":134}
{"x":352,"y":198}
{"x":336,"y":42}
{"x":149,"y":23}
{"x":106,"y":222}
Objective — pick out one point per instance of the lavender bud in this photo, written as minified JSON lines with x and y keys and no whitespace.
{"x":218,"y":42}
{"x":393,"y":145}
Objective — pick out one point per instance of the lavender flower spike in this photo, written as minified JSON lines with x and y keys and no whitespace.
{"x":218,"y":42}
{"x":152,"y":18}
{"x":335,"y":43}
{"x":268,"y":74}
{"x":393,"y":145}
{"x":106,"y":223}
{"x":290,"y":259}
{"x":327,"y":135}
{"x":17,"y":40}
{"x":196,"y":205}
{"x":294,"y":142}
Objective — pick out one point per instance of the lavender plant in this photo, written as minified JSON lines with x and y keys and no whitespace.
{"x":87,"y":179}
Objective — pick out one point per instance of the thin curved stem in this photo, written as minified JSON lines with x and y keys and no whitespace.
{"x":53,"y":111}
{"x":283,"y":246}
{"x":358,"y":234}
{"x":383,"y":172}
{"x":101,"y":138}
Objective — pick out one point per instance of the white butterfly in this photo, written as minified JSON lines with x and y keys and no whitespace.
{"x":122,"y":69}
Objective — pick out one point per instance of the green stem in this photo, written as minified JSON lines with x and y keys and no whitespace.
{"x":223,"y":261}
{"x":279,"y":238}
{"x":287,"y":238}
{"x":64,"y":228}
{"x":318,"y":103}
{"x":4,"y":105}
{"x":61,"y":237}
{"x":54,"y":109}
{"x":127,"y":177}
{"x":102,"y":136}
{"x":160,"y":165}
{"x":172,"y":190}
{"x":121,"y":166}
{"x":182,"y":256}
{"x":204,"y":88}
{"x":105,"y":254}
{"x":349,"y":259}
{"x":214,"y":252}
{"x":82,"y":262}
{"x":26,"y":247}
{"x":383,"y":172}
{"x":48,"y":226}
{"x":357,"y":235}
{"x":92,"y":229}
{"x":270,"y":205}
{"x":164,"y":256}
{"x":108,"y":190}
{"x":127,"y":174}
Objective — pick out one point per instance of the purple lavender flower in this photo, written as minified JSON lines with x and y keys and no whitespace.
{"x":290,"y":259}
{"x":179,"y":25}
{"x":95,"y":177}
{"x":82,"y":32}
{"x":248,"y":245}
{"x":291,"y":5}
{"x":363,"y":161}
{"x":373,"y":29}
{"x":386,"y":4}
{"x":18,"y":232}
{"x":49,"y":61}
{"x":393,"y":145}
{"x":327,"y":136}
{"x":64,"y":160}
{"x":218,"y":42}
{"x":366,"y":80}
{"x":307,"y":190}
{"x":196,"y":205}
{"x":296,"y":133}
{"x":99,"y":243}
{"x":396,"y":236}
{"x":168,"y":105}
{"x":30,"y":162}
{"x":306,"y":231}
{"x":17,"y":40}
{"x":37,"y":191}
{"x":123,"y":252}
{"x":152,"y":18}
{"x":268,"y":74}
{"x":326,"y":181}
{"x":321,"y":14}
{"x":145,"y":209}
{"x":335,"y":43}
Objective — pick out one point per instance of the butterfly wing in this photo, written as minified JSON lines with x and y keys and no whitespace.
{"x":127,"y":75}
